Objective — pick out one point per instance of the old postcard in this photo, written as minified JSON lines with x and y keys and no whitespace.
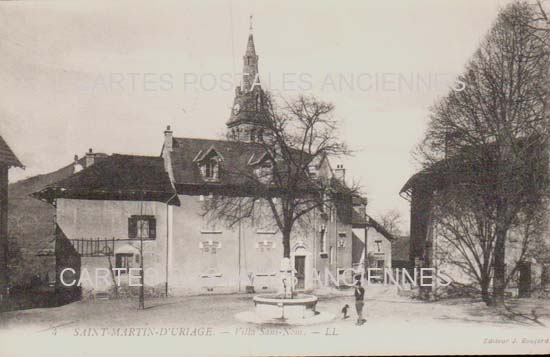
{"x":185,"y":178}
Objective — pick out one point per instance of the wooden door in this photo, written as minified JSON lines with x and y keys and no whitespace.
{"x":524,"y":286}
{"x":300,"y":267}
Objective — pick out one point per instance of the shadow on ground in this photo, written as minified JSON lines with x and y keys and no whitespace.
{"x":525,"y":312}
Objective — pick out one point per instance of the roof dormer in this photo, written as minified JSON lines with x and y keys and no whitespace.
{"x":209,"y":163}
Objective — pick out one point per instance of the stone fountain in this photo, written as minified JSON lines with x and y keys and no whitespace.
{"x":285,"y":307}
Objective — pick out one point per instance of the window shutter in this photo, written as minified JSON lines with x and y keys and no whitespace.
{"x":132,"y":227}
{"x":152,"y":228}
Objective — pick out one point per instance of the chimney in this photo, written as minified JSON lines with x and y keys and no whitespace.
{"x":76,"y":166}
{"x":90,"y":158}
{"x":168,"y":139}
{"x":340,"y":173}
{"x":167,"y":149}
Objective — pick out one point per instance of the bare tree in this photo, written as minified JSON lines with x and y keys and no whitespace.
{"x":543,"y":15}
{"x":287,"y":181}
{"x":391,"y":220}
{"x":466,"y":235}
{"x":466,"y":238}
{"x":496,"y":123}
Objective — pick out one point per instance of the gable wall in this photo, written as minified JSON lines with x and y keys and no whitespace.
{"x":95,"y":219}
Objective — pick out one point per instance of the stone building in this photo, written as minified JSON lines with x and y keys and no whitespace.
{"x":528,"y":267}
{"x":7,"y":160}
{"x":32,"y":225}
{"x":377,"y":251}
{"x":110,"y":207}
{"x":127,"y":210}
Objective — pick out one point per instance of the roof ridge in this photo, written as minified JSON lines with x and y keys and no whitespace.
{"x":195,"y":138}
{"x":221,"y":142}
{"x":138,"y":156}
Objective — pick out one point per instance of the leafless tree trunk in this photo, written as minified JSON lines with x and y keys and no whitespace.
{"x":113,"y":277}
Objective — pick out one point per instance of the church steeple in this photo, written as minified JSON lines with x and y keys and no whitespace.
{"x":250,"y":67}
{"x":248,"y":115}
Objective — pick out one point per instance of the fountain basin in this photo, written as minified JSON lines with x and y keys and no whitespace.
{"x":301,"y":306}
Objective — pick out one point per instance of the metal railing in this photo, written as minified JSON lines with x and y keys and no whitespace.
{"x":94,"y":247}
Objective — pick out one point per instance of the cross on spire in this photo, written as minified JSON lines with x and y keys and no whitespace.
{"x":250,"y":20}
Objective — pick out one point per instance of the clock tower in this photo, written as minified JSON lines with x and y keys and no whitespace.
{"x":249,"y":116}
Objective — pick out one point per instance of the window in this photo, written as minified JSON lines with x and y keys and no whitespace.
{"x":325,"y":199}
{"x":209,"y":262}
{"x":264,"y":172}
{"x":209,"y":163}
{"x":323,"y":240}
{"x":265,"y":265}
{"x":312,"y":169}
{"x":123,"y":261}
{"x":263,"y":219}
{"x":210,"y":169}
{"x":258,"y":102}
{"x":265,"y":246}
{"x":331,"y":255}
{"x":210,"y":247}
{"x":210,"y":224}
{"x":342,"y":239}
{"x":142,"y":227}
{"x":378,"y":245}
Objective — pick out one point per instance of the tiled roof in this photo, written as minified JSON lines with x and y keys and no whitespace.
{"x":31,"y":220}
{"x":236,"y":168}
{"x":7,"y":156}
{"x":358,"y":219}
{"x":125,"y":177}
{"x":236,"y":156}
{"x":471,"y":162}
{"x":116,"y":177}
{"x":383,"y":231}
{"x":359,"y":200}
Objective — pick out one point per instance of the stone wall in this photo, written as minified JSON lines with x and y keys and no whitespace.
{"x":201,"y":256}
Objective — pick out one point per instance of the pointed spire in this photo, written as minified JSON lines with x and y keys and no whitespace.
{"x":250,"y":48}
{"x":250,"y":59}
{"x":248,"y":116}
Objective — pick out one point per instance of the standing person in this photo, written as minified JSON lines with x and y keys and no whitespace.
{"x":359,"y":302}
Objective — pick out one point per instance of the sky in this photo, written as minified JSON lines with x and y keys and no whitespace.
{"x":112,"y":75}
